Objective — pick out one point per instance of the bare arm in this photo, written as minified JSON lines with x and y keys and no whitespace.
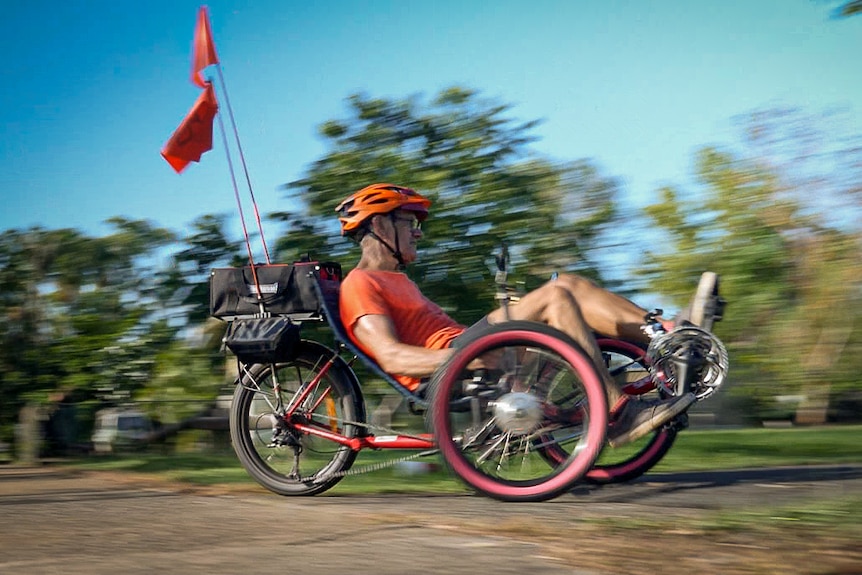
{"x":377,"y":334}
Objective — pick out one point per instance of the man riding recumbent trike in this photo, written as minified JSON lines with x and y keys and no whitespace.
{"x":520,"y":405}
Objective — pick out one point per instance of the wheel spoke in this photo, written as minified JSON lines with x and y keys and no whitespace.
{"x":539,"y":395}
{"x":274,"y":452}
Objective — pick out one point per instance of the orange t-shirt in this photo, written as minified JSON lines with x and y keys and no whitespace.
{"x":417,"y":320}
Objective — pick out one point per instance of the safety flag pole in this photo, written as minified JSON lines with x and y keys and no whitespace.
{"x":203,"y":55}
{"x":238,"y":201}
{"x":242,"y":161}
{"x":194,"y":136}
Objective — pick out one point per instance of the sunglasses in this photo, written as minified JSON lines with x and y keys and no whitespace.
{"x":413,"y":223}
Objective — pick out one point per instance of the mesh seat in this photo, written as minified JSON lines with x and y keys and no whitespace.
{"x":329,"y":304}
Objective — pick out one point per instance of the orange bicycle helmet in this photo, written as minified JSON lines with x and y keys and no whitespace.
{"x":379,"y":199}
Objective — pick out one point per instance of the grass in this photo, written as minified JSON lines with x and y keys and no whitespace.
{"x":693,"y":450}
{"x":844,"y":514}
{"x":196,"y":468}
{"x":206,"y":469}
{"x":817,"y":534}
{"x":740,"y":448}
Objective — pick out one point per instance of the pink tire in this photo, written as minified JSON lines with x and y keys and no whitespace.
{"x":537,"y":391}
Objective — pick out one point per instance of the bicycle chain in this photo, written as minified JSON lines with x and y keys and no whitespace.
{"x":359,"y":470}
{"x":381,"y":464}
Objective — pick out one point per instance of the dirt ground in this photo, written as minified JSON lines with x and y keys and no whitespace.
{"x":54,"y":520}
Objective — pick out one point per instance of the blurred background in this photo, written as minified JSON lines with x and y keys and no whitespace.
{"x":637,"y":148}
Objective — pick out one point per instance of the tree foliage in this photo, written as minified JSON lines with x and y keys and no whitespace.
{"x":70,"y":304}
{"x":777,"y":215}
{"x":790,"y":267}
{"x":847,"y":8}
{"x":97,"y":317}
{"x":487,"y":186}
{"x":185,"y":284}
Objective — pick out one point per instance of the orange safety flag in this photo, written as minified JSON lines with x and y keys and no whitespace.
{"x":195,"y":134}
{"x":203,"y":48}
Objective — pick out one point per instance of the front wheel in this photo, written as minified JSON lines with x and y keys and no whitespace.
{"x":534,"y":390}
{"x":275,"y":453}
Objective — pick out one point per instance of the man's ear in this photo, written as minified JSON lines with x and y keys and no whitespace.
{"x":377,"y":226}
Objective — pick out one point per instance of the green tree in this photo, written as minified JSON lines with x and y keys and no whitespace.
{"x":106,"y":317}
{"x":781,"y":225}
{"x":847,"y":8}
{"x":77,"y":313}
{"x":187,"y":373}
{"x":475,"y":163}
{"x":184,"y":286}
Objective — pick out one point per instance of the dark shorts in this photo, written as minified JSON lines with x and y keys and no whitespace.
{"x":478,"y":327}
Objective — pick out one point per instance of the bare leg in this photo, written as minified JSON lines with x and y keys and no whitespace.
{"x":605,"y":312}
{"x":578,"y":307}
{"x":555,"y":305}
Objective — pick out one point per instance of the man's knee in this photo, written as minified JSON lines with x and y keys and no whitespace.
{"x":554,"y":304}
{"x":559,"y":299}
{"x":546,"y":303}
{"x":532,"y":306}
{"x":575,"y":284}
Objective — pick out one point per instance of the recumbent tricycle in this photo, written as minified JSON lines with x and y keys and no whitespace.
{"x":526,"y":426}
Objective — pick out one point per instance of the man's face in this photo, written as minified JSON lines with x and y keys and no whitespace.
{"x":406,"y":227}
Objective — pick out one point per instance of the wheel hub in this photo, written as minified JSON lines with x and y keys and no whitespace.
{"x":518,"y":413}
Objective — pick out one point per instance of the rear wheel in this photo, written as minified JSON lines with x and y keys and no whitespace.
{"x":276,"y":454}
{"x":537,"y":390}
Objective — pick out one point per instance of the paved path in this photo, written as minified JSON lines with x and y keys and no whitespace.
{"x":61,"y":521}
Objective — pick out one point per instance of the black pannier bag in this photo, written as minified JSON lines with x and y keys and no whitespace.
{"x":262,"y":340}
{"x":285,"y":289}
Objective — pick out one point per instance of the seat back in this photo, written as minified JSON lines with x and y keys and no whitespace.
{"x":332,"y":316}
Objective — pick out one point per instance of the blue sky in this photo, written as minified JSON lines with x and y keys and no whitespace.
{"x":92,"y":89}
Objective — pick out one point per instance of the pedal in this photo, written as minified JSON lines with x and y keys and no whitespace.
{"x":652,"y":316}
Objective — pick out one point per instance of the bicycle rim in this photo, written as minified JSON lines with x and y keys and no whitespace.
{"x":274,"y":452}
{"x":545,"y":392}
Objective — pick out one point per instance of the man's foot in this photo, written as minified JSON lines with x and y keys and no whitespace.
{"x":655,"y":326}
{"x":637,"y":417}
{"x":706,"y":306}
